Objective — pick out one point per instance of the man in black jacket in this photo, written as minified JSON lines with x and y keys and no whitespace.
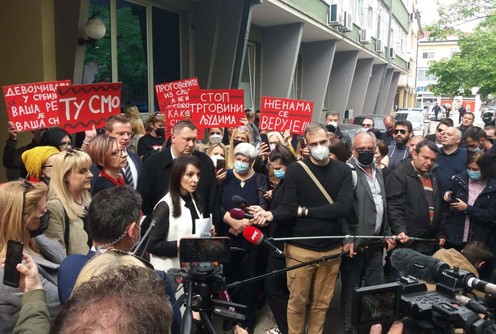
{"x":155,"y":176}
{"x":413,"y":200}
{"x":313,"y":286}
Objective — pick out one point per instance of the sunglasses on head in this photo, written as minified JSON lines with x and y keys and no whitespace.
{"x":400,"y":131}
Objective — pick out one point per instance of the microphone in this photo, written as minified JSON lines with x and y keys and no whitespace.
{"x":471,"y":304}
{"x":161,"y":211}
{"x":240,"y":202}
{"x":237,"y":213}
{"x":412,"y":263}
{"x":481,"y":285}
{"x":256,"y":237}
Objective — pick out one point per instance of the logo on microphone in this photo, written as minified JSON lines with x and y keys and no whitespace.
{"x":254,"y":236}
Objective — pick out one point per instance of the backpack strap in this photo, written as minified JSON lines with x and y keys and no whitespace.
{"x":354,"y":175}
{"x":66,"y":232}
{"x":317,"y":182}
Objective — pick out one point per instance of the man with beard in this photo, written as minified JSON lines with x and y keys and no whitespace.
{"x":368,"y":217}
{"x":403,"y":130}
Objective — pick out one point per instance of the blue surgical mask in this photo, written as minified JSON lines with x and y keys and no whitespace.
{"x":241,"y":167}
{"x":475,"y":150}
{"x":474,"y":174}
{"x":279,"y":173}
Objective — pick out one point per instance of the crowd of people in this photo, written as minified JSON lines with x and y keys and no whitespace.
{"x":81,"y":208}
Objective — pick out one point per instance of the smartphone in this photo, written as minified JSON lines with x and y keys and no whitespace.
{"x":205,"y":249}
{"x":14,"y":257}
{"x":302,"y":142}
{"x":264,"y":138}
{"x":221,"y":164}
{"x":262,"y":191}
{"x":453,"y":200}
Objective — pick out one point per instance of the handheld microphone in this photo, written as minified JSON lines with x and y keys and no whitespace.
{"x":256,"y":237}
{"x":410,"y":262}
{"x":237,"y":213}
{"x":161,"y":211}
{"x":240,"y":201}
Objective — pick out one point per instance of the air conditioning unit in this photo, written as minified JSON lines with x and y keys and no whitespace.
{"x":392,"y":53}
{"x":365,"y":36}
{"x":348,"y":22}
{"x":336,"y":15}
{"x":412,"y":17}
{"x":378,"y":46}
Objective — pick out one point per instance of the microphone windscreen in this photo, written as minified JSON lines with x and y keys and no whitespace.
{"x":410,"y":262}
{"x":171,"y":273}
{"x":239,"y":201}
{"x":237,"y":213}
{"x":253,"y":235}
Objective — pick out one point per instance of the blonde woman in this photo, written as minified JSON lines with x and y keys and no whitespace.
{"x":133,"y":114}
{"x":24,"y":216}
{"x":68,"y":198}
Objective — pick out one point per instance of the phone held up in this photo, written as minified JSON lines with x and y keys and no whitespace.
{"x":14,"y":257}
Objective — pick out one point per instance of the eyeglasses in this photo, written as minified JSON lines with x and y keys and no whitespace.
{"x":46,"y":166}
{"x":440,"y":130}
{"x":400,"y":131}
{"x":367,"y":125}
{"x":65,"y":143}
{"x":364,"y":149}
{"x":27,"y":185}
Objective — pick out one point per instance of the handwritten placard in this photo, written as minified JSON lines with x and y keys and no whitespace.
{"x":279,"y":114}
{"x":82,"y":106}
{"x":34,"y":105}
{"x":217,"y":108}
{"x":173,"y":100}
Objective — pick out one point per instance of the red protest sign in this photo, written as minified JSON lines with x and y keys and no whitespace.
{"x":82,"y":106}
{"x":278,"y":114}
{"x":173,"y":100}
{"x":33,"y":106}
{"x":217,"y":108}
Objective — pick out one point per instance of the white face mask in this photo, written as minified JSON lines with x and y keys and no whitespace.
{"x":320,"y":153}
{"x":333,"y":124}
{"x":215,"y":139}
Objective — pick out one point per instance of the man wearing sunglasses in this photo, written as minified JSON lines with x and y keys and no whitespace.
{"x":398,"y":151}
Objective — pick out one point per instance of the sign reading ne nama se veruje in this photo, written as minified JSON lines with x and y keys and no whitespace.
{"x":58,"y":103}
{"x":280,"y":114}
{"x":33,"y":106}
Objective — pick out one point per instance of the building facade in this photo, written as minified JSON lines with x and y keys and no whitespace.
{"x":341,"y":54}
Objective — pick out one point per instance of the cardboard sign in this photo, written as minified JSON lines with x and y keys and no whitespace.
{"x":33,"y":106}
{"x":278,"y":114}
{"x":173,"y":100}
{"x":82,"y":106}
{"x":217,"y":108}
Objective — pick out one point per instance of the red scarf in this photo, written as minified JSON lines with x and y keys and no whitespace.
{"x":118,"y":182}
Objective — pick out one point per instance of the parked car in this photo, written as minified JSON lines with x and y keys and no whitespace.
{"x":378,"y":120}
{"x":488,"y":115}
{"x":350,"y":129}
{"x":420,"y":122}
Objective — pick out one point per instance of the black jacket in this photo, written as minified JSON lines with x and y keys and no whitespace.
{"x":155,"y":177}
{"x":482,"y":214}
{"x":407,"y":205}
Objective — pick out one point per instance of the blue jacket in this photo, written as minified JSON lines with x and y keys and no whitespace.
{"x":482,"y":214}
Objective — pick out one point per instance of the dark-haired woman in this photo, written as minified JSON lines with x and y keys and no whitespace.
{"x":185,"y":214}
{"x":472,"y":201}
{"x":154,"y":140}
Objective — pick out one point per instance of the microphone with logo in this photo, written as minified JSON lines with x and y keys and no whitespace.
{"x":256,"y":237}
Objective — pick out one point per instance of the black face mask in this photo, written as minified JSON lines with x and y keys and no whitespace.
{"x":160,"y":132}
{"x":44,"y":220}
{"x":236,"y":142}
{"x":365,"y":158}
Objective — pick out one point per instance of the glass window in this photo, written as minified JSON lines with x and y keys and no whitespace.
{"x":248,"y":76}
{"x":428,"y":55}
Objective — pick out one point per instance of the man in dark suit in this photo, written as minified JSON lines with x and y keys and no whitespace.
{"x":120,"y":128}
{"x":155,"y":176}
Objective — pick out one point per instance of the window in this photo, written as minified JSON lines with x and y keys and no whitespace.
{"x":423,"y":76}
{"x":248,"y":77}
{"x":144,"y":37}
{"x":428,"y":55}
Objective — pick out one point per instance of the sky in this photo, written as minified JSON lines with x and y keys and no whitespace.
{"x":429,"y":15}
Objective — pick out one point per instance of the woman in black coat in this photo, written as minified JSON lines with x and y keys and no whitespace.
{"x":472,"y":205}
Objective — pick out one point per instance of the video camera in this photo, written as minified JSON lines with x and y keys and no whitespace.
{"x":436,"y":311}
